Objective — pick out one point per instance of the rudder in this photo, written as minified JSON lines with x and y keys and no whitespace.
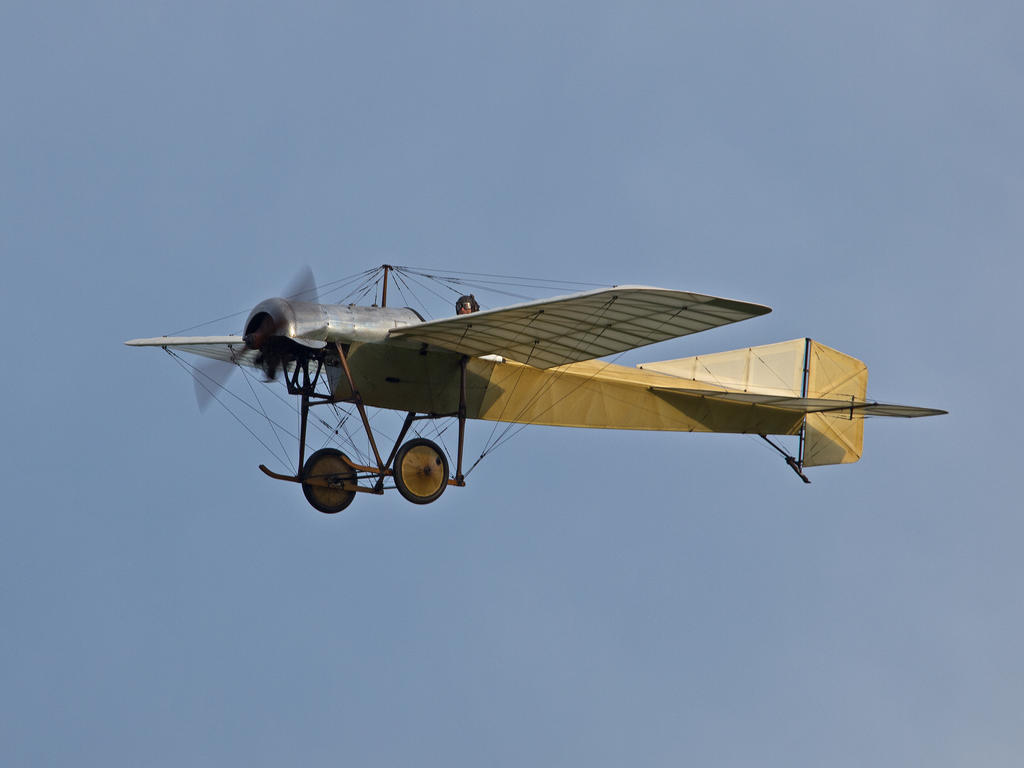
{"x":834,"y":437}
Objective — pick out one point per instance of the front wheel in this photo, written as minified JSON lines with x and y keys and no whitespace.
{"x":421,"y":471}
{"x":329,"y":470}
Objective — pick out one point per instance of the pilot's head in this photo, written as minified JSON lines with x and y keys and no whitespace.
{"x":467,"y":305}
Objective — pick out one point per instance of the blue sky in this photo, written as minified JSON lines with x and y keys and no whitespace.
{"x":590,"y":598}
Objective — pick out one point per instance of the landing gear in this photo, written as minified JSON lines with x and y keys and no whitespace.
{"x":324,"y":479}
{"x":421,"y":471}
{"x":330,"y":479}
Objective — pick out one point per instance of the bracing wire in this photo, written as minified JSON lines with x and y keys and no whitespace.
{"x":269,"y":421}
{"x":506,"y":435}
{"x":366,"y":291}
{"x":427,"y":288}
{"x":193,"y":371}
{"x":426,"y":312}
{"x":199,"y":373}
{"x":335,"y":432}
{"x":350,"y":441}
{"x":273,"y":391}
{"x":544,"y":282}
{"x":548,"y":385}
{"x":339,"y":285}
{"x":360,"y":287}
{"x":490,"y":282}
{"x":210,"y":322}
{"x":465,"y":284}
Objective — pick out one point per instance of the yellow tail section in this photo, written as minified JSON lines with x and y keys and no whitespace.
{"x":801,"y":368}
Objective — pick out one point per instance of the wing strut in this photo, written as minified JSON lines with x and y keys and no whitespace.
{"x":796,"y":464}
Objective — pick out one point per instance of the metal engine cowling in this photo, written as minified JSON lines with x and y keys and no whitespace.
{"x":314,"y":324}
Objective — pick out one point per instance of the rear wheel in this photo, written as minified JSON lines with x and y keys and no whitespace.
{"x":421,"y":471}
{"x":329,"y":470}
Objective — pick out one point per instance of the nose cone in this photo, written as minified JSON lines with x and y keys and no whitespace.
{"x":259,"y":330}
{"x":269,"y":318}
{"x":299,"y":321}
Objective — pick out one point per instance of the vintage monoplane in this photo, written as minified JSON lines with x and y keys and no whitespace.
{"x":538,"y":362}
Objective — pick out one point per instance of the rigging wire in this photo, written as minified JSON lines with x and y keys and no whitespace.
{"x":192,"y":369}
{"x":335,"y":431}
{"x":325,"y":288}
{"x":465,"y":284}
{"x":339,"y":285}
{"x":552,"y":380}
{"x":366,"y":291}
{"x":544,"y":281}
{"x":399,"y":281}
{"x":268,"y":385}
{"x":506,"y":436}
{"x":274,"y":425}
{"x":217,"y":384}
{"x":211,"y":322}
{"x":515,"y":386}
{"x":490,"y":285}
{"x":369,"y":275}
{"x":405,"y":282}
{"x":269,"y":421}
{"x":428,"y":289}
{"x":438,"y":434}
{"x":350,"y":441}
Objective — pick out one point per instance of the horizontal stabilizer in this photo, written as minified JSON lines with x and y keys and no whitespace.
{"x":900,"y":411}
{"x":799,"y":376}
{"x":805,"y":404}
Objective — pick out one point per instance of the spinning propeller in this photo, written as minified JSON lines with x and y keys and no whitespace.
{"x":213,"y":374}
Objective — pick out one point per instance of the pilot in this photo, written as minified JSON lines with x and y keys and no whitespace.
{"x":467,"y":305}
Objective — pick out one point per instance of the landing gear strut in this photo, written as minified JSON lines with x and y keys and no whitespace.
{"x":329,"y":478}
